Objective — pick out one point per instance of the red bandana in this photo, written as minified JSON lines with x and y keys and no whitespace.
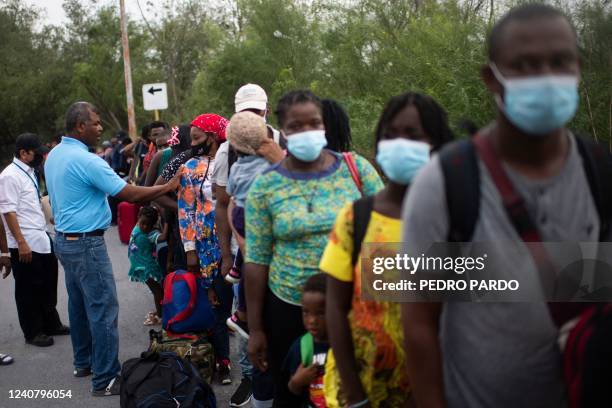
{"x":210,"y":122}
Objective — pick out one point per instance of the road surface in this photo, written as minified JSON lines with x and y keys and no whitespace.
{"x":51,"y":368}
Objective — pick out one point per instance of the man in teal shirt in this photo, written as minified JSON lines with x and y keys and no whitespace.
{"x":79,"y":183}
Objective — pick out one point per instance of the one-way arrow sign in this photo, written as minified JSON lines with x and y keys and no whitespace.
{"x":155,"y":96}
{"x":153,"y":90}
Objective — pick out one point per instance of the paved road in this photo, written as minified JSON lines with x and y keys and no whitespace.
{"x":51,"y":368}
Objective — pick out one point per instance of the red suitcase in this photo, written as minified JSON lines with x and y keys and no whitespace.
{"x":127,"y":216}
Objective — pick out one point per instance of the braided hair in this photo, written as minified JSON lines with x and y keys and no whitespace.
{"x":292,"y":98}
{"x":337,"y":126}
{"x":149,"y":214}
{"x":433,"y":117}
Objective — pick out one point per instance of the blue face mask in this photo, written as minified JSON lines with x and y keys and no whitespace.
{"x":538,"y":105}
{"x":306,"y":146}
{"x":401,"y":159}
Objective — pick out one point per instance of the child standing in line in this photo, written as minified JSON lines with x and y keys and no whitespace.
{"x":305,"y":361}
{"x":141,"y":252}
{"x":246,"y":133}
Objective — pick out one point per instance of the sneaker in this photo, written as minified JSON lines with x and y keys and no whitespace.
{"x":233,"y":276}
{"x":81,"y":372}
{"x":112,"y":388}
{"x":242,"y":395}
{"x":41,"y":340}
{"x":223,"y":368}
{"x":239,"y":326}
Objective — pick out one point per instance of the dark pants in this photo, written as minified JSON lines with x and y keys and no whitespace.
{"x":220,"y":335}
{"x":283,"y":325}
{"x":36,"y":293}
{"x":113,"y":203}
{"x":179,"y":259}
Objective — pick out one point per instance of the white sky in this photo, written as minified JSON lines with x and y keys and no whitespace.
{"x":53,"y":12}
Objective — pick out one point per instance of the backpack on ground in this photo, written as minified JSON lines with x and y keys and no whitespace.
{"x":194,"y":347}
{"x":160,"y":380}
{"x":185,"y":306}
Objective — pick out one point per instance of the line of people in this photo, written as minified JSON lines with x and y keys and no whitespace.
{"x":284,"y":218}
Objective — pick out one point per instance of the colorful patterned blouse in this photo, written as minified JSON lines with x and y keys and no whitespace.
{"x":196,"y":211}
{"x":289,"y":216}
{"x":380,"y":358}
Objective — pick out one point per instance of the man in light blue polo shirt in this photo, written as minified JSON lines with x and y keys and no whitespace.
{"x":79,"y":183}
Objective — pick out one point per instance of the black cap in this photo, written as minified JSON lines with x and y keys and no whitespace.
{"x":29,"y":141}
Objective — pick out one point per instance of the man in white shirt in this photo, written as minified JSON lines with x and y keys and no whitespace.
{"x":34,"y":263}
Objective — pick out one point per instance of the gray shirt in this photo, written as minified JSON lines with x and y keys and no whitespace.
{"x":503,"y":354}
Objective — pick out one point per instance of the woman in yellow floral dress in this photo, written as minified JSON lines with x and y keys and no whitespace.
{"x":366,"y":367}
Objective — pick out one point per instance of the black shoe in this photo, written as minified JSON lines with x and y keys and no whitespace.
{"x":242,"y":395}
{"x":41,"y":340}
{"x":82,"y":372}
{"x":237,"y":325}
{"x":225,"y":376}
{"x":60,"y":331}
{"x":112,"y":388}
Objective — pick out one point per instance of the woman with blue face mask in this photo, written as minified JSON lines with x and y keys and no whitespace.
{"x":410,"y":126}
{"x":290,"y":210}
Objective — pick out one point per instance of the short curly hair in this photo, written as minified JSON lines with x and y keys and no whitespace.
{"x":246,"y":131}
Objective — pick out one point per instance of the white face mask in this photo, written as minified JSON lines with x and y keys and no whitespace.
{"x":539,"y":104}
{"x":306,"y":146}
{"x":400,"y":159}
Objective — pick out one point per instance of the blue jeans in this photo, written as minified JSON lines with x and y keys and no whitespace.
{"x":93,"y":309}
{"x":245,"y":364}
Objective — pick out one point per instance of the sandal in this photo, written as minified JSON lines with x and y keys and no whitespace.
{"x":152,"y":320}
{"x":5,"y":359}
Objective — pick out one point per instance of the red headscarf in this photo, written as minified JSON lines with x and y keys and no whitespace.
{"x":210,"y":122}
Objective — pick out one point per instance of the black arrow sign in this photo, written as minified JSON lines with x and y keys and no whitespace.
{"x":153,"y":90}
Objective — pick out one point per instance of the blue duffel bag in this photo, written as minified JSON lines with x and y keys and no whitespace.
{"x":185,"y":307}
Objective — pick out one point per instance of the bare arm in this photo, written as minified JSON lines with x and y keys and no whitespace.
{"x":223,"y":229}
{"x":270,"y":151}
{"x":338,"y":304}
{"x":137,"y":194}
{"x":230,"y":222}
{"x":423,"y":355}
{"x":5,"y":261}
{"x":25,"y":253}
{"x":256,"y":282}
{"x":152,"y":170}
{"x":128,"y":151}
{"x":165,"y":200}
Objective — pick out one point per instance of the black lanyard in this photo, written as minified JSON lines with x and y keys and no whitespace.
{"x":204,"y":179}
{"x":30,"y":177}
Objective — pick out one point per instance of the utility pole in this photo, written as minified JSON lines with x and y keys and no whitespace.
{"x":127,"y":71}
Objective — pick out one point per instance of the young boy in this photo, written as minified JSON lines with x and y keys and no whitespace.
{"x":305,"y":362}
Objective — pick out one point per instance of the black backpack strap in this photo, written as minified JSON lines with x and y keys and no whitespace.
{"x":362,"y":212}
{"x":232,"y":156}
{"x":597,"y":163}
{"x":462,"y":186}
